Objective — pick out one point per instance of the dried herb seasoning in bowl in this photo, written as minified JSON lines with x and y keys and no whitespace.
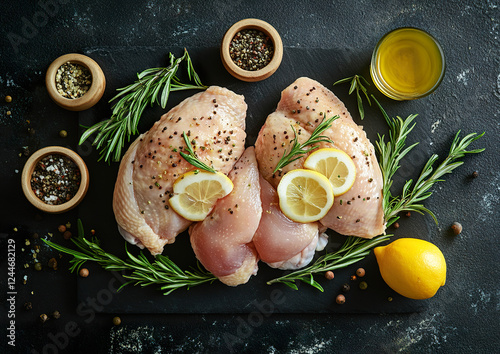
{"x":55,"y":179}
{"x":251,"y":50}
{"x":75,"y":82}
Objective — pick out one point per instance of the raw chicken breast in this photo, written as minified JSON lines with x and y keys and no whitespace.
{"x":306,"y":102}
{"x":214,"y":120}
{"x":281,"y":242}
{"x":223,"y":241}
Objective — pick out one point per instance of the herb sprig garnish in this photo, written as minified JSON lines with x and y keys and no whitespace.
{"x":152,"y":86}
{"x":162,"y":271}
{"x":390,"y":154}
{"x":353,"y":250}
{"x":413,"y":194}
{"x":356,"y":84}
{"x":298,"y":150}
{"x":192,"y":158}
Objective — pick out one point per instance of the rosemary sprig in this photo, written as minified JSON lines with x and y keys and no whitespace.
{"x":298,"y":150}
{"x":192,"y":158}
{"x":356,"y":84}
{"x":353,"y":250}
{"x":152,"y":86}
{"x":163,"y":271}
{"x":413,"y":194}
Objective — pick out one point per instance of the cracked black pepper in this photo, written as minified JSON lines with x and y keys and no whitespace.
{"x":251,"y":49}
{"x":55,"y":179}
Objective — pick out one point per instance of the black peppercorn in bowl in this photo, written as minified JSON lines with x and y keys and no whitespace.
{"x":75,"y":82}
{"x":55,"y":179}
{"x":251,"y":50}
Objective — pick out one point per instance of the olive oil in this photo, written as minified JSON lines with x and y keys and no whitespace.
{"x":407,"y":63}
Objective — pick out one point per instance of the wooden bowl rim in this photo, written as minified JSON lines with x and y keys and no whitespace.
{"x":29,"y":167}
{"x":257,"y":75}
{"x":91,"y":97}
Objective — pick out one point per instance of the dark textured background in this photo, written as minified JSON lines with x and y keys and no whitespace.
{"x":462,"y":317}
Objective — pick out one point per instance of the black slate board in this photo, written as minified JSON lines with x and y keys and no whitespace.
{"x":325,"y":66}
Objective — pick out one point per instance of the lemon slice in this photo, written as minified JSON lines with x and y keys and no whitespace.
{"x":196,"y":192}
{"x":305,"y":195}
{"x":336,"y":165}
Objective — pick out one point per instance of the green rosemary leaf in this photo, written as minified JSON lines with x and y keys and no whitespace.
{"x":357,"y":85}
{"x":143,"y":272}
{"x":299,"y":150}
{"x":290,"y":285}
{"x":130,"y":102}
{"x":312,"y":282}
{"x":353,"y":86}
{"x":341,"y":81}
{"x":192,"y":158}
{"x":360,"y":106}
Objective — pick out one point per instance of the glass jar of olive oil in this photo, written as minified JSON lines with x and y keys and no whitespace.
{"x":407,"y":63}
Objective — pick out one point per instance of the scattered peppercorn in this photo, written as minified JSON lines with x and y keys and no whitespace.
{"x":117,"y":321}
{"x":389,"y":299}
{"x":56,"y":315}
{"x":346,"y":287}
{"x":38,"y":266}
{"x":53,"y":263}
{"x":28,"y":306}
{"x":329,"y":275}
{"x":456,"y":227}
{"x":360,"y":272}
{"x":67,"y":235}
{"x":8,"y":99}
{"x":43,"y":318}
{"x":408,"y":214}
{"x":26,"y":150}
{"x":353,"y":277}
{"x":84,"y":272}
{"x":61,"y":228}
{"x":340,"y":299}
{"x":35,"y":235}
{"x":63,"y":133}
{"x":9,"y":113}
{"x":31,"y":131}
{"x":396,"y":225}
{"x":475,"y":174}
{"x":363,"y":285}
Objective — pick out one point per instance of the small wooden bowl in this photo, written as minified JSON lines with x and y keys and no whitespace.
{"x":29,"y":167}
{"x":247,"y":75}
{"x":91,"y":97}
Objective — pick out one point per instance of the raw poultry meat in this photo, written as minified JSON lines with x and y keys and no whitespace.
{"x":304,"y":104}
{"x":281,"y":242}
{"x":223,"y":241}
{"x":214,"y":121}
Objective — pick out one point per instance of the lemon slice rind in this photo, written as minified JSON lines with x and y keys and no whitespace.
{"x":304,"y":195}
{"x":336,"y":165}
{"x":196,"y":192}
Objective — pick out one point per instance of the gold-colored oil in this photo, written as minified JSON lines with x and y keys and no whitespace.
{"x":409,"y":62}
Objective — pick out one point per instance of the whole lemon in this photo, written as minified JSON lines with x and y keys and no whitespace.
{"x":413,"y":268}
